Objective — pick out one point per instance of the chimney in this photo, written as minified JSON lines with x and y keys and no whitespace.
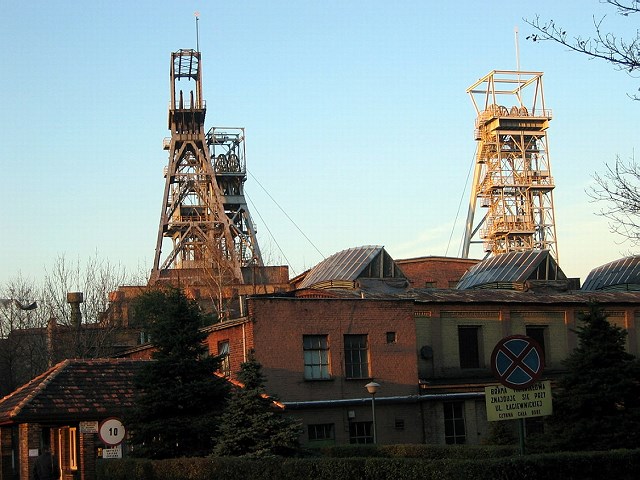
{"x":51,"y":332}
{"x":74,"y":299}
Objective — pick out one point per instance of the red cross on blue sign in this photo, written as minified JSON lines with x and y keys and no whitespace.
{"x":517,"y":361}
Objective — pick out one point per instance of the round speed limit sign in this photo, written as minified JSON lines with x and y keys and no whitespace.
{"x":111,"y":431}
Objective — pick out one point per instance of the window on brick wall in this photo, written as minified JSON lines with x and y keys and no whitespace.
{"x":538,"y":333}
{"x":429,"y":284}
{"x":392,"y":337}
{"x":453,"y":283}
{"x":454,"y":428}
{"x":321,"y":434}
{"x":469,"y":346}
{"x":73,"y":449}
{"x":356,"y":356}
{"x":223,"y":352}
{"x":361,"y":432}
{"x":316,"y":357}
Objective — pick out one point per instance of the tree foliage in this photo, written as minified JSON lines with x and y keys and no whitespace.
{"x":180,"y":398}
{"x":250,"y":424}
{"x":597,"y":403}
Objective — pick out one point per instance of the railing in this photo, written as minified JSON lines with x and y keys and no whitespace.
{"x":186,"y":105}
{"x":500,"y":111}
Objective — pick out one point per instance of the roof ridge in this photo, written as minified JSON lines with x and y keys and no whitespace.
{"x":47,"y":377}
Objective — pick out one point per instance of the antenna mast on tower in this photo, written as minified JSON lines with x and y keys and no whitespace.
{"x":512,"y":177}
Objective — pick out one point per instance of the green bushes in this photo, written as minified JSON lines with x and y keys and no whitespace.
{"x":397,"y":462}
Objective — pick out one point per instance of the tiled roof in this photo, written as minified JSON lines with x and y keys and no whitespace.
{"x":452,"y":296}
{"x":622,"y":274}
{"x":74,"y":390}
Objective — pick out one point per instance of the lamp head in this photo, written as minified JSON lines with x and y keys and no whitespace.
{"x":372,"y":387}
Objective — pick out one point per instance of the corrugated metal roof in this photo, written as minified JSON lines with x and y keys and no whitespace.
{"x":512,"y":268}
{"x":622,"y":274}
{"x":344,"y":266}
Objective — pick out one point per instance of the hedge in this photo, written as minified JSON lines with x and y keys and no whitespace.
{"x":420,"y":463}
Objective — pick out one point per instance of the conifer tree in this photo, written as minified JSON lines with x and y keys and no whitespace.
{"x":597,"y":402}
{"x":250,"y":424}
{"x":180,"y":398}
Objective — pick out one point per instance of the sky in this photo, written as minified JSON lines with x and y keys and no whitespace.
{"x":359,"y":130}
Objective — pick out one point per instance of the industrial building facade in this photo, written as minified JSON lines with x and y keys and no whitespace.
{"x":320,"y":344}
{"x":428,"y":348}
{"x":430,"y":356}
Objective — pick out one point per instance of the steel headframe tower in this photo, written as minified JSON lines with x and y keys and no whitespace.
{"x":512,"y":177}
{"x":203,"y":228}
{"x":227,"y":152}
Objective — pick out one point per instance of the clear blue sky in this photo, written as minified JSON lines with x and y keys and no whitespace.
{"x":356,"y":116}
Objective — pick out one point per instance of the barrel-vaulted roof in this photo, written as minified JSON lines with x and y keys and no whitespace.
{"x":508,"y":270}
{"x":622,"y":274}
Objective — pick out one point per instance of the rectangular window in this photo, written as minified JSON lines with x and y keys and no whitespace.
{"x":392,"y":337}
{"x":356,"y":356}
{"x":429,"y":284}
{"x":223,"y":352}
{"x":454,"y":429}
{"x":399,"y":424}
{"x":469,"y":347}
{"x":73,"y":452}
{"x":316,"y":357}
{"x":361,"y":432}
{"x":321,"y":434}
{"x":538,"y":334}
{"x":453,"y":283}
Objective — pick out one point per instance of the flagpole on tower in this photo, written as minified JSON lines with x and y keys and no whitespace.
{"x":197,"y":15}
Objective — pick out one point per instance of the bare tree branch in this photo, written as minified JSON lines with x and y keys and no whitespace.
{"x":619,"y":189}
{"x":623,"y":54}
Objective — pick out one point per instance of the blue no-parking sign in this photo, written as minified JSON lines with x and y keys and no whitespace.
{"x":517,"y":361}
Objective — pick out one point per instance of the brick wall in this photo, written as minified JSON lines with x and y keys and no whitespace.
{"x":29,"y":438}
{"x":280,"y":323}
{"x":435,"y":272}
{"x":240,"y":338}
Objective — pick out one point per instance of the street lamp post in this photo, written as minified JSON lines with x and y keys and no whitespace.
{"x":372,"y":388}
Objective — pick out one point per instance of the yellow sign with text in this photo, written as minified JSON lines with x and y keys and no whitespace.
{"x":505,"y":403}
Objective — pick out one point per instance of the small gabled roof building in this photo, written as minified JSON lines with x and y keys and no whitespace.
{"x":50,"y":408}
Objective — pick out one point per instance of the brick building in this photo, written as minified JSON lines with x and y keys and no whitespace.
{"x":354,"y":319}
{"x":429,"y":349}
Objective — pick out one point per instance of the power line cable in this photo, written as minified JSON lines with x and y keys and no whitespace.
{"x":287,"y":215}
{"x":464,"y":190}
{"x":255,"y":209}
